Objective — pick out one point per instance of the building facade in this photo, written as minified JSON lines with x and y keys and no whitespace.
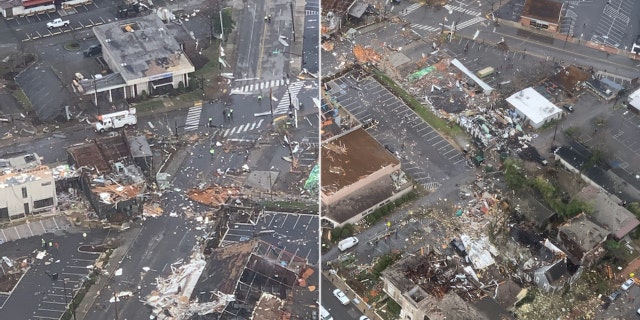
{"x":27,"y":188}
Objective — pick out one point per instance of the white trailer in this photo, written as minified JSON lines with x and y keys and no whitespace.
{"x":116,"y":120}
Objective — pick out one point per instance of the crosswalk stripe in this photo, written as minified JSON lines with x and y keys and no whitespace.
{"x":283,"y":105}
{"x":246,"y":128}
{"x":260,"y":122}
{"x":463,"y":10}
{"x":232,"y":130}
{"x":193,"y":116}
{"x":253,"y":125}
{"x":226,"y":132}
{"x":240,"y":130}
{"x":410,"y":9}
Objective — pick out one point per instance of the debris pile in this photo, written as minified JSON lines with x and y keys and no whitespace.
{"x":171,"y":298}
{"x":366,"y":54}
{"x":214,"y":195}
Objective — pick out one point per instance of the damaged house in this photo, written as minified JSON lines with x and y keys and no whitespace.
{"x":26,"y":187}
{"x":583,"y":240}
{"x":110,"y":178}
{"x":429,"y":287}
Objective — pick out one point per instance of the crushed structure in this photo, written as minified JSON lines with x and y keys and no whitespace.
{"x":110,"y":179}
{"x":431,"y":287}
{"x":171,"y":299}
{"x":214,"y":196}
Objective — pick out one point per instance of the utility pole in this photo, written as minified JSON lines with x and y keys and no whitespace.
{"x":293,"y":23}
{"x":175,"y":124}
{"x":221,"y":26}
{"x":115,"y":303}
{"x":568,"y":31}
{"x":271,"y":102}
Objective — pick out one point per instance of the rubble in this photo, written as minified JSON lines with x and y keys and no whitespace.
{"x":214,"y":195}
{"x":170,"y":300}
{"x":366,"y":54}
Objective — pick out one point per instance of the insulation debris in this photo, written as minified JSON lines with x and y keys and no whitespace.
{"x":171,"y":298}
{"x":214,"y":195}
{"x":152,"y":210}
{"x":365,"y":54}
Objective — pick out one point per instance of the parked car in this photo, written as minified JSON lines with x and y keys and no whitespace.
{"x":341,"y":296}
{"x":364,"y":318}
{"x":458,"y":246}
{"x":93,"y":50}
{"x":614,"y":295}
{"x":57,"y":23}
{"x":568,"y":107}
{"x":347,"y":243}
{"x":627,"y":284}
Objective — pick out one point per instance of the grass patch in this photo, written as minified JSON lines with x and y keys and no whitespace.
{"x":388,"y":208}
{"x":440,"y":125}
{"x":227,"y":22}
{"x":212,"y":67}
{"x":290,"y":206}
{"x":22,"y":99}
{"x":149,"y":105}
{"x":192,"y":96}
{"x":393,"y":309}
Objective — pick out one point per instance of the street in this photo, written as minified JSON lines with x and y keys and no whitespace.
{"x":333,"y":305}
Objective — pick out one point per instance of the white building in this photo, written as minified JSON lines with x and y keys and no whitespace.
{"x":634,"y":100}
{"x":533,"y":106}
{"x":144,"y":56}
{"x":26,"y":187}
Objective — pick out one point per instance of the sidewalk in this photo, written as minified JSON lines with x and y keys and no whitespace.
{"x":366,"y":309}
{"x":128,"y":237}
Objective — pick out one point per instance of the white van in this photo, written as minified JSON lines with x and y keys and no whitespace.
{"x":324,"y":314}
{"x":347,"y":243}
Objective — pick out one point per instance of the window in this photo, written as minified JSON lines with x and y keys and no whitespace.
{"x":4,"y":213}
{"x":43,"y":203}
{"x":46,"y":184}
{"x":24,"y":192}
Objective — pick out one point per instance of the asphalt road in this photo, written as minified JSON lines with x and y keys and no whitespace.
{"x":310,"y":49}
{"x":334,"y":306}
{"x":162,"y":242}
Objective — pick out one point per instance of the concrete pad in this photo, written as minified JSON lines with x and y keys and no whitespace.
{"x":398,"y":59}
{"x":263,"y":180}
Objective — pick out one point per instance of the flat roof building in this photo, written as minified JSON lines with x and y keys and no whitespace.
{"x":542,"y":14}
{"x":533,"y":106}
{"x":358,"y":175}
{"x":144,"y":55}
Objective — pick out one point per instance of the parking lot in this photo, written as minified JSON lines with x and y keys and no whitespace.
{"x":296,"y":233}
{"x":40,"y":294}
{"x":425,"y":155}
{"x":32,"y":229}
{"x":614,"y":23}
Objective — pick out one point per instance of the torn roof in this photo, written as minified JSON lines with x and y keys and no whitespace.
{"x":584,"y":232}
{"x":269,"y":307}
{"x":336,"y":6}
{"x":17,"y":178}
{"x":608,"y":212}
{"x":357,"y":8}
{"x":545,"y":10}
{"x":570,"y":77}
{"x":224,"y":267}
{"x":100,"y":152}
{"x":139,"y":147}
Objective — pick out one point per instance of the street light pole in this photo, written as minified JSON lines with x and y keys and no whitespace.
{"x":293,"y":23}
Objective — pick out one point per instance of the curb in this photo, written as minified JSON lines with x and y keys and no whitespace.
{"x":362,"y":306}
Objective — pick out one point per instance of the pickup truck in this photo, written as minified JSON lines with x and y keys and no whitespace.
{"x":57,"y":23}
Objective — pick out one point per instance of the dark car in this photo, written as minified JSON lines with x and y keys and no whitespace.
{"x":614,"y":295}
{"x":457,"y":245}
{"x":568,"y":107}
{"x":93,"y":50}
{"x":390,"y":148}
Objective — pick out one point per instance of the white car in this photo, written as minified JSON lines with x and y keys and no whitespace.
{"x":341,"y":296}
{"x":364,"y":318}
{"x":627,"y":284}
{"x":347,"y":243}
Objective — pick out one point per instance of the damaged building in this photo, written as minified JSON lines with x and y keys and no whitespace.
{"x":26,"y":187}
{"x":258,"y":281}
{"x":110,"y":178}
{"x":542,"y":14}
{"x":431,"y":287}
{"x":353,"y":186}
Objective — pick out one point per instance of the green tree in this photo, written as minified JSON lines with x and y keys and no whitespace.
{"x":513,"y":174}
